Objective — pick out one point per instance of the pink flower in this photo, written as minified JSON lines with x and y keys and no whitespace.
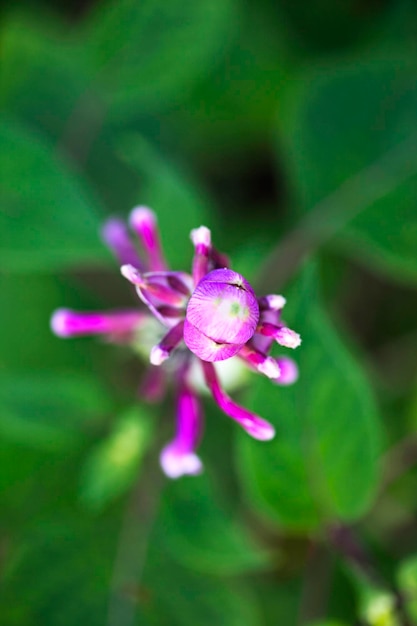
{"x":209,"y":315}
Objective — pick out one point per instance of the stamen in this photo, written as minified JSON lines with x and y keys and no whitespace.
{"x":143,"y":222}
{"x":252,"y":423}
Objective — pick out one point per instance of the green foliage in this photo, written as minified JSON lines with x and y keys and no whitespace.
{"x":145,"y":54}
{"x":199,"y":534}
{"x":49,"y":411}
{"x":49,"y":218}
{"x":113,"y":465}
{"x":305,"y":475}
{"x":350,"y":130}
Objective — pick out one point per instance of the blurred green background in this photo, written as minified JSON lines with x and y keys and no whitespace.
{"x":289,"y":128}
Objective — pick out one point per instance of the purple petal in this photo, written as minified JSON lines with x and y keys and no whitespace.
{"x":205,"y":348}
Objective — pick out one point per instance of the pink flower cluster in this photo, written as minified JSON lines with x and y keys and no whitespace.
{"x":209,"y":315}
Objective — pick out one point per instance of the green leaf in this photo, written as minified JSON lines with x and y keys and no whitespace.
{"x":44,"y":74}
{"x":48,"y":218}
{"x":181,"y":597}
{"x":60,"y":572}
{"x":148,"y":53}
{"x":179,"y":205}
{"x":322,"y":462}
{"x":49,"y":411}
{"x":199,"y":534}
{"x":113,"y":465}
{"x":350,"y":131}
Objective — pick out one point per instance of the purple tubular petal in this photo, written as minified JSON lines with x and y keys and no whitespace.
{"x":68,"y":323}
{"x":205,"y":348}
{"x":253,"y":424}
{"x":282,"y":335}
{"x":179,"y":457}
{"x":289,"y":371}
{"x":224,"y":307}
{"x":162,"y":351}
{"x":201,"y":238}
{"x":116,"y":236}
{"x":143,"y":221}
{"x":264,"y":364}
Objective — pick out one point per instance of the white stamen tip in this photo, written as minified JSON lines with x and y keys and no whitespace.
{"x":131,"y":273}
{"x":201,"y":236}
{"x":142,"y":216}
{"x":59,"y":322}
{"x":158,"y":355}
{"x":276,"y":302}
{"x":270,"y":368}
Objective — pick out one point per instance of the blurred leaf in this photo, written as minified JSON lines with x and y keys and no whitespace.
{"x":351,"y":129}
{"x":148,"y":53}
{"x":48,"y":217}
{"x":113,"y":465}
{"x":176,"y":201}
{"x":180,"y":597}
{"x":49,"y":411}
{"x":407,"y":583}
{"x":60,"y":573}
{"x":323,"y":461}
{"x":200,"y":535}
{"x":44,"y":74}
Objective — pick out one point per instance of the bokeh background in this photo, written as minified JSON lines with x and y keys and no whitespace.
{"x":290,"y":129}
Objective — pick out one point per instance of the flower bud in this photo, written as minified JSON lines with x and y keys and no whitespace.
{"x":222,"y":315}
